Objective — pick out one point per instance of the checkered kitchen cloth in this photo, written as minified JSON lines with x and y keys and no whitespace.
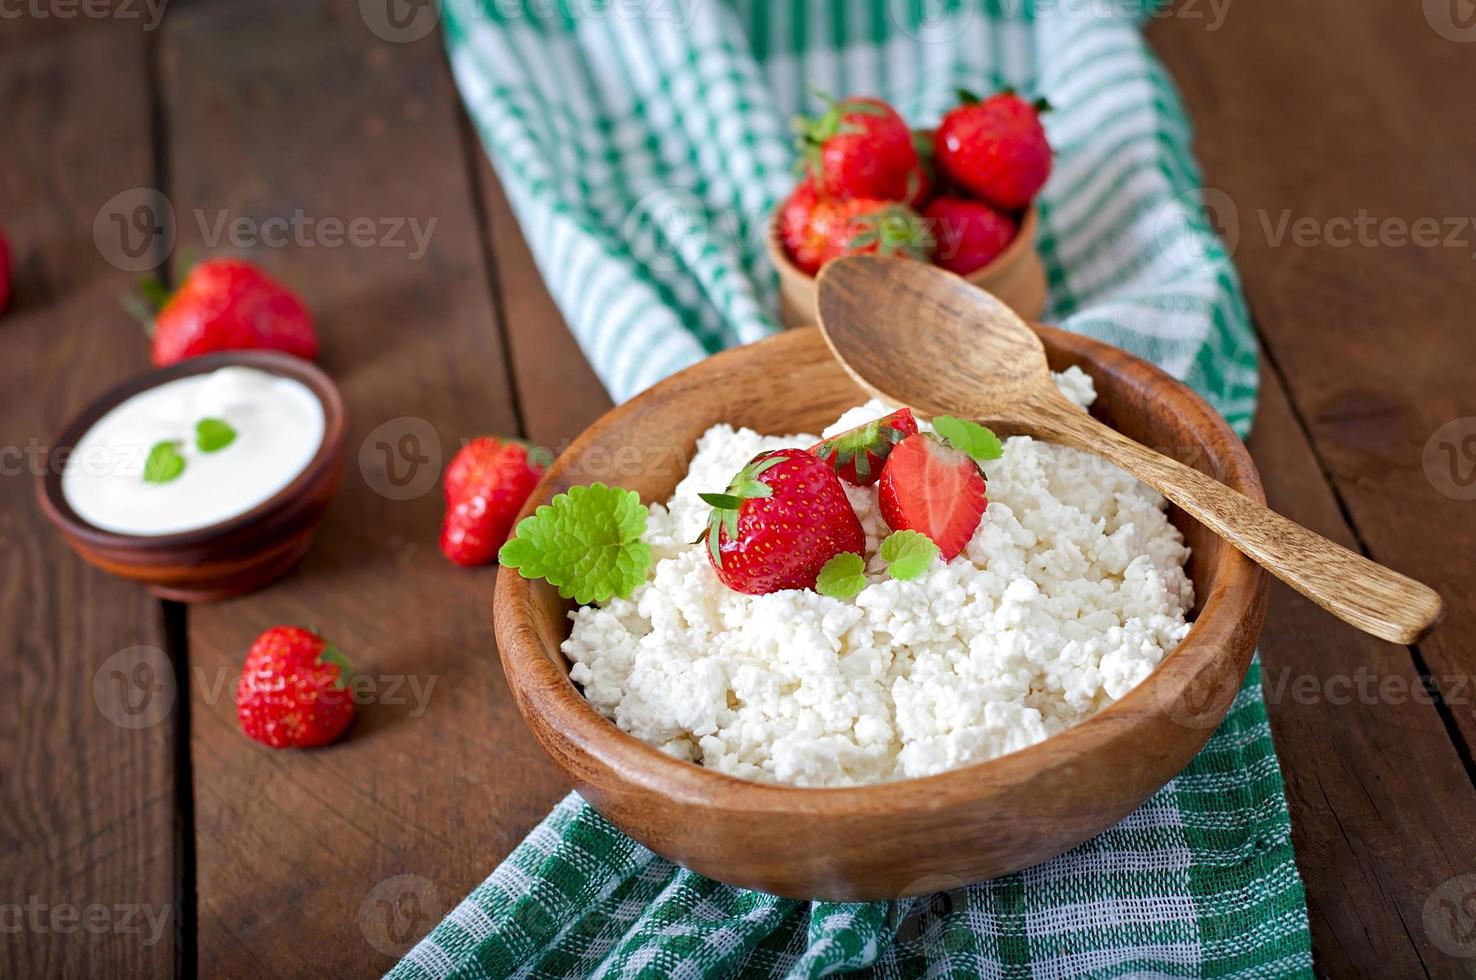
{"x":642,"y":143}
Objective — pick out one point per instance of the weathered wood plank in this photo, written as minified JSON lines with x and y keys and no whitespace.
{"x":1375,"y":832}
{"x":1342,"y":139}
{"x":88,"y":863}
{"x":331,"y":862}
{"x":558,"y":392}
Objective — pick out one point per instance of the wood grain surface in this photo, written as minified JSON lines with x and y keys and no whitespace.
{"x":331,"y":863}
{"x":90,"y":859}
{"x":1316,"y":109}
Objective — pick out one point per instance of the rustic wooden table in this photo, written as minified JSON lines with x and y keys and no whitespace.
{"x":144,"y":835}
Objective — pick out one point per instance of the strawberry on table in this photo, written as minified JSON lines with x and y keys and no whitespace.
{"x":487,"y":482}
{"x":857,"y":454}
{"x":967,"y":234}
{"x":933,"y":484}
{"x":293,"y":691}
{"x":994,"y":149}
{"x":781,"y":519}
{"x":800,"y":222}
{"x":859,"y":147}
{"x":227,"y":304}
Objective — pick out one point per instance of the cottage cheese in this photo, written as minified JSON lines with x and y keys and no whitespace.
{"x":1071,"y":591}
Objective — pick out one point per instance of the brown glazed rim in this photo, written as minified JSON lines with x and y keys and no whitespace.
{"x":54,"y":502}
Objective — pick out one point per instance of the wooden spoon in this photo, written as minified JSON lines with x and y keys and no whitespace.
{"x":916,"y":335}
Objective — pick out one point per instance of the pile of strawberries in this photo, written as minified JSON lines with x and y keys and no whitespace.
{"x":872,"y":185}
{"x":786,"y":514}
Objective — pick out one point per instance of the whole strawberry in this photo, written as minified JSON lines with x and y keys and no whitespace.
{"x":800,"y":222}
{"x":858,"y":148}
{"x":857,"y":454}
{"x":294,"y":691}
{"x":863,"y":226}
{"x":783,"y":517}
{"x":968,"y":234}
{"x":4,"y":273}
{"x":994,"y":149}
{"x":228,"y":304}
{"x":487,"y":483}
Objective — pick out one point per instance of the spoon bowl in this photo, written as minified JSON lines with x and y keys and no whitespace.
{"x":917,"y":335}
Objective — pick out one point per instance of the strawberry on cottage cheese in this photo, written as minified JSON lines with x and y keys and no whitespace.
{"x":1070,"y":592}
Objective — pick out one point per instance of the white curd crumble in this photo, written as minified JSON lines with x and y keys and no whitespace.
{"x":1071,"y":591}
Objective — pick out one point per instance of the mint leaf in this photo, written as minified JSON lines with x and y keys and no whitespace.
{"x":212,"y":435}
{"x":908,"y":554}
{"x":164,"y":462}
{"x":842,"y":577}
{"x":969,"y":437}
{"x":586,"y":542}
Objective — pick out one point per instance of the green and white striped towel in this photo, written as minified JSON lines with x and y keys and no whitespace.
{"x":643,"y":143}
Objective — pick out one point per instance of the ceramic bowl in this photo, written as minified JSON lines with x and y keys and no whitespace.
{"x":912,"y":836}
{"x":233,"y":557}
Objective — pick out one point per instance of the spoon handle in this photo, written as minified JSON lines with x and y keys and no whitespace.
{"x":1363,"y":593}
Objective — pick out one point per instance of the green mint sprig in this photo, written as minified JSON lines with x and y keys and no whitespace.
{"x":213,"y":435}
{"x":842,"y":577}
{"x":969,"y":437}
{"x":908,"y":554}
{"x":587,"y":543}
{"x":164,"y":462}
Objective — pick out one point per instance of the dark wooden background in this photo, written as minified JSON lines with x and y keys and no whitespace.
{"x":260,"y":863}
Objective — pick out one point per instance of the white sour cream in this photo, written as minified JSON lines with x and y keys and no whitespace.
{"x":278,"y":424}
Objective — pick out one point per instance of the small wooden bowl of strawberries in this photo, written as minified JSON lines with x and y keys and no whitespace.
{"x":961,"y":196}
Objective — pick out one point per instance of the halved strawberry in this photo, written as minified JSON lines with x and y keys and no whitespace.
{"x":857,"y":454}
{"x":782,"y":518}
{"x":933,"y":488}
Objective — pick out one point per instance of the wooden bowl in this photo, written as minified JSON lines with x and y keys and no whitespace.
{"x":893,"y":839}
{"x":231,"y":558}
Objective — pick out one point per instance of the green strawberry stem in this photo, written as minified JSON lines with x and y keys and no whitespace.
{"x":332,"y":655}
